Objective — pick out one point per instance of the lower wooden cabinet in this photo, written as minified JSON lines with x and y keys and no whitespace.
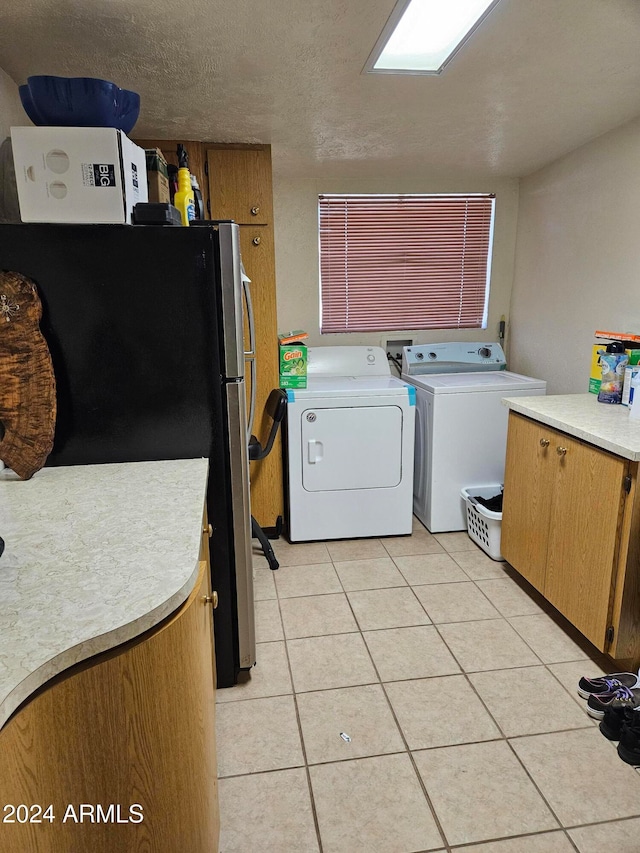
{"x":118,"y":755}
{"x":569,"y":521}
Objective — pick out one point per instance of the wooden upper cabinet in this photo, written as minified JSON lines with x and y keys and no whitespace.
{"x":240,"y":184}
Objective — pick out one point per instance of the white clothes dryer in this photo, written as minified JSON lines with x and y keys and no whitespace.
{"x":350,"y":445}
{"x":461,"y":424}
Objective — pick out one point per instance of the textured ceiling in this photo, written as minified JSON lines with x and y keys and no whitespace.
{"x":539,"y":78}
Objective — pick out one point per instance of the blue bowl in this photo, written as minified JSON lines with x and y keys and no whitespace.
{"x":81,"y":102}
{"x":129,"y":109}
{"x":29,"y":108}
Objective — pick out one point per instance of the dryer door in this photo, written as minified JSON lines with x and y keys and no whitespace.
{"x":351,"y":448}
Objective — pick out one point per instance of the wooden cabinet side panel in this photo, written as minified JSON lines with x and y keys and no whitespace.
{"x":527,"y":499}
{"x":583,"y":535}
{"x":239,"y":183}
{"x":135,"y":728}
{"x":266,"y":475}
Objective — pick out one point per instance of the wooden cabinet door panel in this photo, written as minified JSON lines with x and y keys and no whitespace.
{"x":528,"y":487}
{"x":240,"y":184}
{"x":583,"y":534}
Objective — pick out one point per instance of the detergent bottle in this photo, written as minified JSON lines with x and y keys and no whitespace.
{"x":183,"y":199}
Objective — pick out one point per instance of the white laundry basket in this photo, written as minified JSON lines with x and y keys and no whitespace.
{"x":483,"y":526}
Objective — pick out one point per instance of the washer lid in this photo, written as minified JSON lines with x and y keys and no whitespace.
{"x":458,"y":383}
{"x":352,"y":386}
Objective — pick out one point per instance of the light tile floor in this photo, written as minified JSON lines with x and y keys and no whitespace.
{"x":413,"y":695}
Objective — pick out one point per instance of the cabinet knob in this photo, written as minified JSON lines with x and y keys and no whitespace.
{"x":208,"y":530}
{"x":255,"y":211}
{"x":211,"y":599}
{"x":544,"y":442}
{"x":256,"y":241}
{"x":561,"y":451}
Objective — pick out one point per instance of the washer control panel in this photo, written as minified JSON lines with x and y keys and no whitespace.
{"x":454,"y":357}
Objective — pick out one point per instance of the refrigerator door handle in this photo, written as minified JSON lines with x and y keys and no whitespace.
{"x":231,"y":294}
{"x":250,"y":355}
{"x":241,"y":507}
{"x":251,"y":352}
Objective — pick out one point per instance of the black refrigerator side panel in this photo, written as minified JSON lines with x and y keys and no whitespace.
{"x":222,"y":558}
{"x":126,"y":317}
{"x":132,"y":319}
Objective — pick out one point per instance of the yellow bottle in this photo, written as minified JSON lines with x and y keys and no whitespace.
{"x":183,"y":199}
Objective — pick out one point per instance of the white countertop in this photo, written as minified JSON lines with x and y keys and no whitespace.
{"x":581,"y":415}
{"x":94,"y":556}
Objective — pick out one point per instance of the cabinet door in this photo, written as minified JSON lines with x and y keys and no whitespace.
{"x":528,"y":489}
{"x":583,"y":534}
{"x":240,"y":184}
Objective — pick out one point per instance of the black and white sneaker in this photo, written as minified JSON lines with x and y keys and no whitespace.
{"x":607,"y":683}
{"x":616,"y":720}
{"x":629,"y":746}
{"x":622,"y":697}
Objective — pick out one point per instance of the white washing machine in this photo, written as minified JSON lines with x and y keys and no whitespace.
{"x":350,"y":444}
{"x":461,"y":424}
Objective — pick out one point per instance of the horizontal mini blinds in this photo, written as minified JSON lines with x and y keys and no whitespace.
{"x":404,"y":261}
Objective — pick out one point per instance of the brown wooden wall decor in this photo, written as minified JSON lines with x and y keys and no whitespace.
{"x":27,"y":381}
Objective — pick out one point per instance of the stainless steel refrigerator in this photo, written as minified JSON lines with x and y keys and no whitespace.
{"x":145,"y":329}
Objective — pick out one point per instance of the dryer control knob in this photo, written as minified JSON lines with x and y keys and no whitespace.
{"x":371,"y":358}
{"x":484,"y":352}
{"x":433,"y":355}
{"x":419,"y":356}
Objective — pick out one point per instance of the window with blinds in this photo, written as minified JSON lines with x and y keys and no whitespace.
{"x":404,"y":262}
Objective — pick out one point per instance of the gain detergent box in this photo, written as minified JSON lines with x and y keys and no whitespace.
{"x":293,"y":359}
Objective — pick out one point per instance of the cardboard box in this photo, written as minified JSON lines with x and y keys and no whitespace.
{"x":595,"y":376}
{"x":292,"y":337}
{"x":157,"y":176}
{"x":293,"y":365}
{"x":77,"y":174}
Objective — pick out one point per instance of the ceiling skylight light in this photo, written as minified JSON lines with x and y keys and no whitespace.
{"x":421,"y":36}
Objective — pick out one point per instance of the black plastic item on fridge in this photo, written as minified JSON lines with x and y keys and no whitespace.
{"x":172,"y":172}
{"x":156,"y":213}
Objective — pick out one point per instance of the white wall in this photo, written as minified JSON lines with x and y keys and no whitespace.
{"x":297,"y":261}
{"x":11,"y":111}
{"x":577,"y":258}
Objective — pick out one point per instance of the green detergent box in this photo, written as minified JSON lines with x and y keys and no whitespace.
{"x":293,"y":361}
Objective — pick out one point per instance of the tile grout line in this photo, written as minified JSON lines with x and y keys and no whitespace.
{"x":503,"y":736}
{"x":314,"y":812}
{"x":500,"y":729}
{"x":401,"y":733}
{"x":506,"y":739}
{"x":408,"y":752}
